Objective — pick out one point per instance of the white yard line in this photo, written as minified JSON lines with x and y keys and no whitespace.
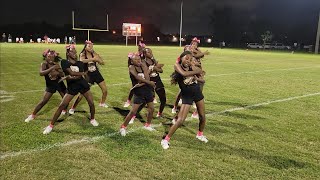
{"x":4,"y":155}
{"x":268,"y":70}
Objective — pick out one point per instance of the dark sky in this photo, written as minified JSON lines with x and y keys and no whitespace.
{"x":164,"y":13}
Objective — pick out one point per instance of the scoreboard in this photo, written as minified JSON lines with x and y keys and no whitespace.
{"x":130,"y":29}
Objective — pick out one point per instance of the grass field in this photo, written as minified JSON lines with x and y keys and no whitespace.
{"x":263,"y":121}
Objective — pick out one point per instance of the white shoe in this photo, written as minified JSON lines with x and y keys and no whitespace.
{"x":159,"y":115}
{"x":127,"y":104}
{"x":174,"y":121}
{"x":30,"y":118}
{"x":132,"y":120}
{"x":165,"y":144}
{"x":173,"y":110}
{"x":71,"y":111}
{"x":195,"y":115}
{"x":103,"y":105}
{"x":149,"y":128}
{"x":123,"y":131}
{"x":202,"y":138}
{"x":63,"y":112}
{"x":180,"y":102}
{"x":155,"y":101}
{"x":47,"y":130}
{"x":94,"y":122}
{"x":194,"y":105}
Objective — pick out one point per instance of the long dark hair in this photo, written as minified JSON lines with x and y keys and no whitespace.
{"x":175,"y":76}
{"x":84,"y":48}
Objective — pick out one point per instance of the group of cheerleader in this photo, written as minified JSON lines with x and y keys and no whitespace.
{"x":144,"y":71}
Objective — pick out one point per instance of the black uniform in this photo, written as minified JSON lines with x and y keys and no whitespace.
{"x":79,"y":85}
{"x":190,"y":89}
{"x":154,"y":76}
{"x":94,"y":75}
{"x":52,"y":83}
{"x":142,"y":94}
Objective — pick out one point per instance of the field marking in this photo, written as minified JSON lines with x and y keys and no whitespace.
{"x":268,"y":70}
{"x":4,"y":155}
{"x":5,"y":96}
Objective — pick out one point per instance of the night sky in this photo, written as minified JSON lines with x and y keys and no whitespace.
{"x":283,"y":14}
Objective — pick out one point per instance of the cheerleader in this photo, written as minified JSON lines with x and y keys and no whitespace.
{"x":52,"y":73}
{"x":186,"y":76}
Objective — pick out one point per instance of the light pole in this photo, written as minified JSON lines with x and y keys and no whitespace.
{"x":318,"y":37}
{"x":181,"y":6}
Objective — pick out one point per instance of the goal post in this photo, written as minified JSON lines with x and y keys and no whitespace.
{"x":89,"y":29}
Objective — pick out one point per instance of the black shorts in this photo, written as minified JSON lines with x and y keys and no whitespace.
{"x":191,"y":93}
{"x":95,"y":77}
{"x":60,"y":87}
{"x":143,"y":95}
{"x":157,"y":80}
{"x":80,"y":86}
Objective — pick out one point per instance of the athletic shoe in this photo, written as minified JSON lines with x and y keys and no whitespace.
{"x":202,"y":138}
{"x":194,"y":105}
{"x":159,"y":115}
{"x":127,"y":104}
{"x":63,"y":112}
{"x":47,"y":130}
{"x":149,"y":128}
{"x":123,"y":131}
{"x":165,"y":144}
{"x":71,"y":111}
{"x":132,"y":120}
{"x":174,"y":121}
{"x":195,"y":115}
{"x":173,"y":110}
{"x":180,"y":102}
{"x":30,"y":118}
{"x":103,"y":105}
{"x":94,"y":122}
{"x":155,"y":101}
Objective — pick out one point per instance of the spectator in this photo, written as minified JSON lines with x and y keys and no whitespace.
{"x":17,"y":39}
{"x":9,"y":38}
{"x":38,"y":40}
{"x":65,"y":40}
{"x":70,"y":40}
{"x":4,"y":37}
{"x":21,"y":40}
{"x":58,"y":40}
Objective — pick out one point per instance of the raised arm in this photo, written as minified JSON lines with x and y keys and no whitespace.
{"x":43,"y":71}
{"x":195,"y":70}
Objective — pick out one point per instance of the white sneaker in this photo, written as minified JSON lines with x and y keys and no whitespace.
{"x":71,"y":111}
{"x":127,"y":104}
{"x":63,"y":112}
{"x":94,"y":122}
{"x":174,"y":121}
{"x":155,"y":101}
{"x":132,"y":120}
{"x":47,"y":130}
{"x":159,"y":115}
{"x":123,"y":131}
{"x":202,"y":138}
{"x":195,"y":115}
{"x":149,"y":128}
{"x":30,"y":118}
{"x":165,"y":144}
{"x":180,"y":102}
{"x":194,"y":105}
{"x":173,"y":110}
{"x":103,"y":105}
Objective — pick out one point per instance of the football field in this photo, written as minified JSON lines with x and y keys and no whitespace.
{"x":262,"y":109}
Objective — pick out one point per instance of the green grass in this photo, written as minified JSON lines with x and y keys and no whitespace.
{"x":277,"y":140}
